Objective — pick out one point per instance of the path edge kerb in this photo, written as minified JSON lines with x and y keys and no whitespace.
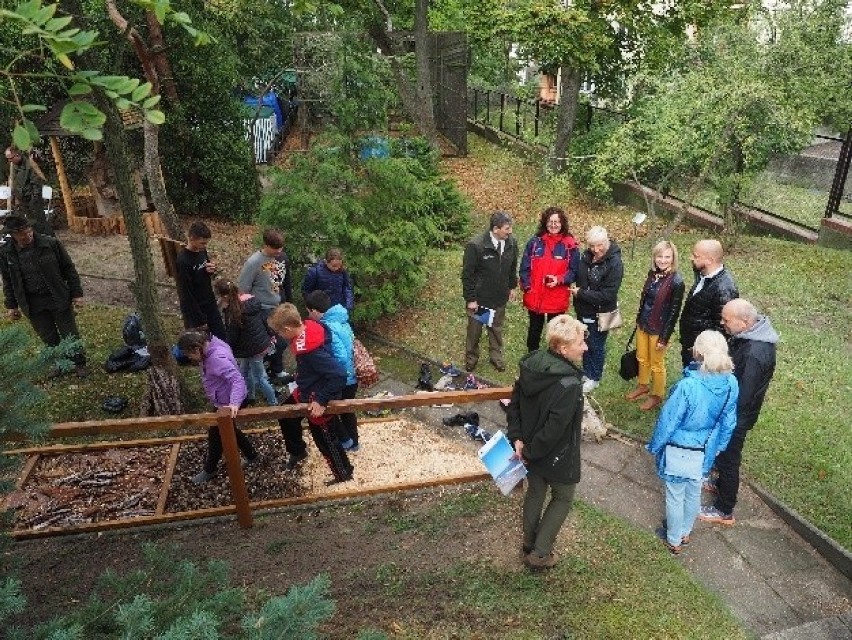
{"x":822,"y":543}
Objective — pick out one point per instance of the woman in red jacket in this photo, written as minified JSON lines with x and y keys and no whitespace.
{"x":548,"y":267}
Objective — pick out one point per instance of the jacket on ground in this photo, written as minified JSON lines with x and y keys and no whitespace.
{"x":223,"y":383}
{"x":546,"y":414}
{"x":488,"y":277}
{"x":548,"y":254}
{"x":753,"y":353}
{"x":319,"y":376}
{"x":701,"y":411}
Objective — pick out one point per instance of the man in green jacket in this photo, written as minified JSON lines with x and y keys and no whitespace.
{"x":489,"y":277}
{"x":545,"y":420}
{"x":41,"y":282}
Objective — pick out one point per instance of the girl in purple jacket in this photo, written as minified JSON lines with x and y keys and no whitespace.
{"x":224,"y":386}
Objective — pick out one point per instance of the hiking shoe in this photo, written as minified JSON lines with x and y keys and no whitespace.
{"x":536,"y":562}
{"x":477,"y":433}
{"x":355,"y":448}
{"x":712,"y":515}
{"x":674,"y":549}
{"x":294,"y":460}
{"x":499,"y":366}
{"x":709,"y":485}
{"x":590,"y":385}
{"x":282,"y":378}
{"x":449,"y":369}
{"x":203,"y":477}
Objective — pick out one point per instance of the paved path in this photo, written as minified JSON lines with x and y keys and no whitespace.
{"x":769,"y":576}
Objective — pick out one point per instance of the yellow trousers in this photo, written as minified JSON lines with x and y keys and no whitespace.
{"x":652,"y":363}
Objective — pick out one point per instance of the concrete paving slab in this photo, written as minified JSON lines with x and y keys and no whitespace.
{"x":608,"y":454}
{"x":826,"y":629}
{"x":772,"y":552}
{"x":814,"y":593}
{"x":760,"y":608}
{"x":592,"y":479}
{"x":641,"y":506}
{"x":639,"y":467}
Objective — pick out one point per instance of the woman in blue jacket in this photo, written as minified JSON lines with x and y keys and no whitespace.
{"x":700,"y":414}
{"x":329,"y":275}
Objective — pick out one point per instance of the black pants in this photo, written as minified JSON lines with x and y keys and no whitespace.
{"x":537,"y":321}
{"x":347,"y":423}
{"x":276,"y":358}
{"x":291,"y":429}
{"x":728,"y":465}
{"x":323,"y":433}
{"x":214,"y":448}
{"x":53,"y":325}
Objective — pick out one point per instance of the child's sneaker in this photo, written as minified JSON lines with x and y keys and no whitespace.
{"x":203,"y":477}
{"x":449,"y":369}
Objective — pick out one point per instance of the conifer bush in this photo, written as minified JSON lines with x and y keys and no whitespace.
{"x":384,"y":213}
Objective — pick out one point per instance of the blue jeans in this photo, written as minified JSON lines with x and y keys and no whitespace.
{"x":254,"y":374}
{"x":683,"y":502}
{"x":593,"y":358}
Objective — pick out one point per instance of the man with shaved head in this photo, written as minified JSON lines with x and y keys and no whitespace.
{"x":714,"y":286}
{"x":752,"y":348}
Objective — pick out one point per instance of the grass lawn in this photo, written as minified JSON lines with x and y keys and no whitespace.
{"x":801,"y":447}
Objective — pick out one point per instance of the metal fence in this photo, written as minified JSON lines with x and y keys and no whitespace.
{"x":799,"y":189}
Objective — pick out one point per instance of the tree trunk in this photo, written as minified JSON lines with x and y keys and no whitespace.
{"x":160,"y":398}
{"x":423,"y":53}
{"x":569,"y":99}
{"x":152,"y":63}
{"x":102,"y":184}
{"x":154,"y":171}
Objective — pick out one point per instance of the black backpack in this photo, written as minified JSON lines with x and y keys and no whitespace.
{"x":132,"y":331}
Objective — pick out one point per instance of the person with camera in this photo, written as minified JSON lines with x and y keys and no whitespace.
{"x":195,"y":273}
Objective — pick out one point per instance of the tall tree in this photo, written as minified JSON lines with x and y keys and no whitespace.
{"x":600,"y":41}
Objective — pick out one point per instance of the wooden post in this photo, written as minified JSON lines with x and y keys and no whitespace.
{"x":228,"y":434}
{"x":64,"y":185}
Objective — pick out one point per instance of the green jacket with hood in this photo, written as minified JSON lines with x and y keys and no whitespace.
{"x":546,"y":413}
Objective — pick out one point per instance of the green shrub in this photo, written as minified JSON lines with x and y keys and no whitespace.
{"x":383,"y":213}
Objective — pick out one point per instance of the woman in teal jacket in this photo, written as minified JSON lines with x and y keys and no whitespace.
{"x":700,"y":413}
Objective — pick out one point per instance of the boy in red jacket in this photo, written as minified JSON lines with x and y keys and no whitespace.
{"x":319,"y":379}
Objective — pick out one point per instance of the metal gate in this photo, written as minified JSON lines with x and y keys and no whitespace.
{"x":449,"y":63}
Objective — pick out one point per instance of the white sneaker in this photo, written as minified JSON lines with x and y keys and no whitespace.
{"x":590,"y":385}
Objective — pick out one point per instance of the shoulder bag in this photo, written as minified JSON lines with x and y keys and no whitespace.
{"x":629,"y":367}
{"x":610,"y":319}
{"x":688,"y":462}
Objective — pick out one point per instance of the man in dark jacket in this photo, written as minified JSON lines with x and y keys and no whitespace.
{"x":489,"y":277}
{"x":545,"y":420}
{"x":752,"y":348}
{"x":714,"y":286}
{"x":40,"y":281}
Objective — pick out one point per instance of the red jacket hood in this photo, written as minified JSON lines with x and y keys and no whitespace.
{"x":312,"y":338}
